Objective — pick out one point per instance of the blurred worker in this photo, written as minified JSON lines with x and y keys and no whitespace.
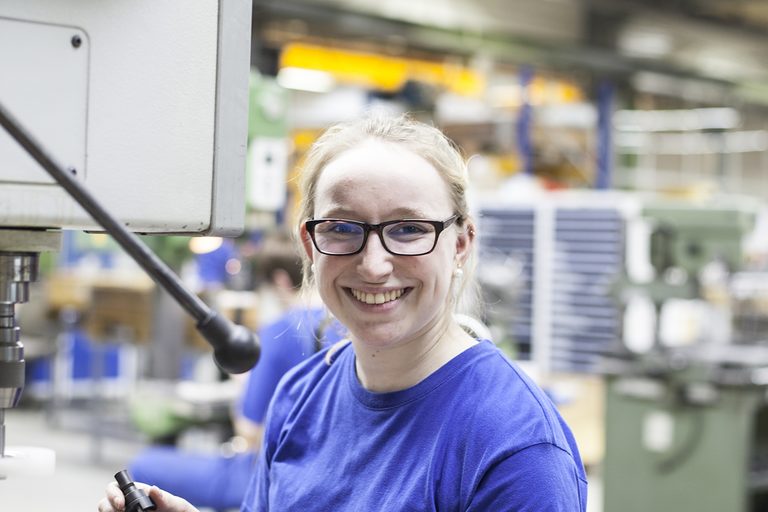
{"x":411,"y":412}
{"x":219,"y":481}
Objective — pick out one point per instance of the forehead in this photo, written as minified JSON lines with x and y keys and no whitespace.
{"x":378,"y":180}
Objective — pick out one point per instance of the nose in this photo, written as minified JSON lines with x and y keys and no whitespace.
{"x":375,"y":262}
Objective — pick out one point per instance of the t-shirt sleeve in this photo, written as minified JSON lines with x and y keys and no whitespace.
{"x":540,"y":478}
{"x":257,"y":495}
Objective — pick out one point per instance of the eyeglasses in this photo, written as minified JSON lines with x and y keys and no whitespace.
{"x":338,"y":237}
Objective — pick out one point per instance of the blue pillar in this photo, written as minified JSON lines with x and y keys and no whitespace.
{"x":524,"y":120}
{"x":604,"y":165}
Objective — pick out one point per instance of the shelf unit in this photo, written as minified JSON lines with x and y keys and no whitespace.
{"x":570,"y":247}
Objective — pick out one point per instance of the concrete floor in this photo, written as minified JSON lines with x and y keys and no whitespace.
{"x":86,"y":464}
{"x":80,"y":475}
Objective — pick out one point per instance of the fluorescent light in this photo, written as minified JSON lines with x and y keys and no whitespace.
{"x":302,"y":79}
{"x":647,"y":43}
{"x":722,"y":118}
{"x":693,"y":143}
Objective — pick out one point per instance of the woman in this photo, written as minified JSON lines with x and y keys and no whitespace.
{"x":411,"y":413}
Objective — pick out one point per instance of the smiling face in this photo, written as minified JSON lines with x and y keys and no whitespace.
{"x":383,"y":299}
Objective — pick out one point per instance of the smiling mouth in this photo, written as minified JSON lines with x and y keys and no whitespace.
{"x":377,"y":298}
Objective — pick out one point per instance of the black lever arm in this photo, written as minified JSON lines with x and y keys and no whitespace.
{"x":236,"y":349}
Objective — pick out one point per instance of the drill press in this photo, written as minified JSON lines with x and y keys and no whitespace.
{"x":132,"y":152}
{"x":19,"y":253}
{"x":236,"y":349}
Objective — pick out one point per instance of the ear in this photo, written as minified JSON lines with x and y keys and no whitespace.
{"x":465,"y":242}
{"x":306,"y":242}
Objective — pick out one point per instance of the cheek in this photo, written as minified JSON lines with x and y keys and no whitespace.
{"x":321,"y":270}
{"x":326,"y":271}
{"x":435,"y":274}
{"x":442,"y":270}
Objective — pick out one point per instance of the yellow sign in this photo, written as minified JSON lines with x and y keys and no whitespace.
{"x":381,"y":72}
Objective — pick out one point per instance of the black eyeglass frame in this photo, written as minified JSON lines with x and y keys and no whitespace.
{"x":439,"y":226}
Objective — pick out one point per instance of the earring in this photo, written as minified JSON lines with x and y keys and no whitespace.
{"x":458,"y":272}
{"x":312,"y":268}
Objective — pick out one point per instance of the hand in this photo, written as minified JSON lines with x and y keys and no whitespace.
{"x":165,"y":501}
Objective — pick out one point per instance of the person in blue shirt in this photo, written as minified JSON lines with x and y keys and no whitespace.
{"x":410,"y":412}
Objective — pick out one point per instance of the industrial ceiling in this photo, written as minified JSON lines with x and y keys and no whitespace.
{"x":718,"y":45}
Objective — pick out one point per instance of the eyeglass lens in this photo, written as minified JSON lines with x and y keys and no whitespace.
{"x":408,"y":237}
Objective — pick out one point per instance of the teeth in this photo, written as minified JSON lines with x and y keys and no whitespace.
{"x":377,"y":298}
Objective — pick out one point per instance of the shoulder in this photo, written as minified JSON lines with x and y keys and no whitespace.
{"x":306,"y":390}
{"x":509,"y":403}
{"x":524,"y":438}
{"x":494,"y":375}
{"x":300,"y":380}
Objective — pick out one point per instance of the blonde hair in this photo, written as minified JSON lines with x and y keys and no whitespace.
{"x":422,"y":139}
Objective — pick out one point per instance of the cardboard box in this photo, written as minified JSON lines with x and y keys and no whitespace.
{"x":120,"y":308}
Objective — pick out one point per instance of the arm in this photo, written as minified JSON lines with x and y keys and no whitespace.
{"x":540,"y":478}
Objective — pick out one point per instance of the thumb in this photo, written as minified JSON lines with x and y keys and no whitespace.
{"x":167,"y":502}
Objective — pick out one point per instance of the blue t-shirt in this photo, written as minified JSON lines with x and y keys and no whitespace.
{"x":476,"y":435}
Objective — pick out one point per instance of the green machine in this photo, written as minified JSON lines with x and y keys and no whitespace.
{"x":687,"y":427}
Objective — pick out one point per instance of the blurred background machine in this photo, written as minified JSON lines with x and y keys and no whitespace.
{"x":688,"y":431}
{"x":552,"y":307}
{"x":685,"y":410}
{"x":638,"y":309}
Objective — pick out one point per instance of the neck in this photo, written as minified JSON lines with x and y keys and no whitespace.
{"x":403,"y":366}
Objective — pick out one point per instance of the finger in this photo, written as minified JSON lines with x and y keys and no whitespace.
{"x":105,"y":506}
{"x":167,"y":501}
{"x":161,"y":498}
{"x":115,"y":497}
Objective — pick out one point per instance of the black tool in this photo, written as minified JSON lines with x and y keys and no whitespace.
{"x":136,"y":500}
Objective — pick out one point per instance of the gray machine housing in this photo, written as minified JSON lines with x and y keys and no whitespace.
{"x":145,"y":101}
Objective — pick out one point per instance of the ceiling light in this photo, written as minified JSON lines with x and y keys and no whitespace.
{"x":721,"y":118}
{"x":205,"y":244}
{"x":302,"y":79}
{"x":645,"y":43}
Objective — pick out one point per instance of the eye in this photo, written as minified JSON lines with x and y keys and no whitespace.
{"x":409,"y":230}
{"x":339,"y":229}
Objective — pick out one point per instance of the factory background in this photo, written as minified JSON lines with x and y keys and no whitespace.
{"x":618,"y":153}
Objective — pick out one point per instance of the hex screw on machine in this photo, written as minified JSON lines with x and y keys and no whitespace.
{"x":136,"y":500}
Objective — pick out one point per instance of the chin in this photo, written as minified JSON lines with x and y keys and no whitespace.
{"x":376,"y":337}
